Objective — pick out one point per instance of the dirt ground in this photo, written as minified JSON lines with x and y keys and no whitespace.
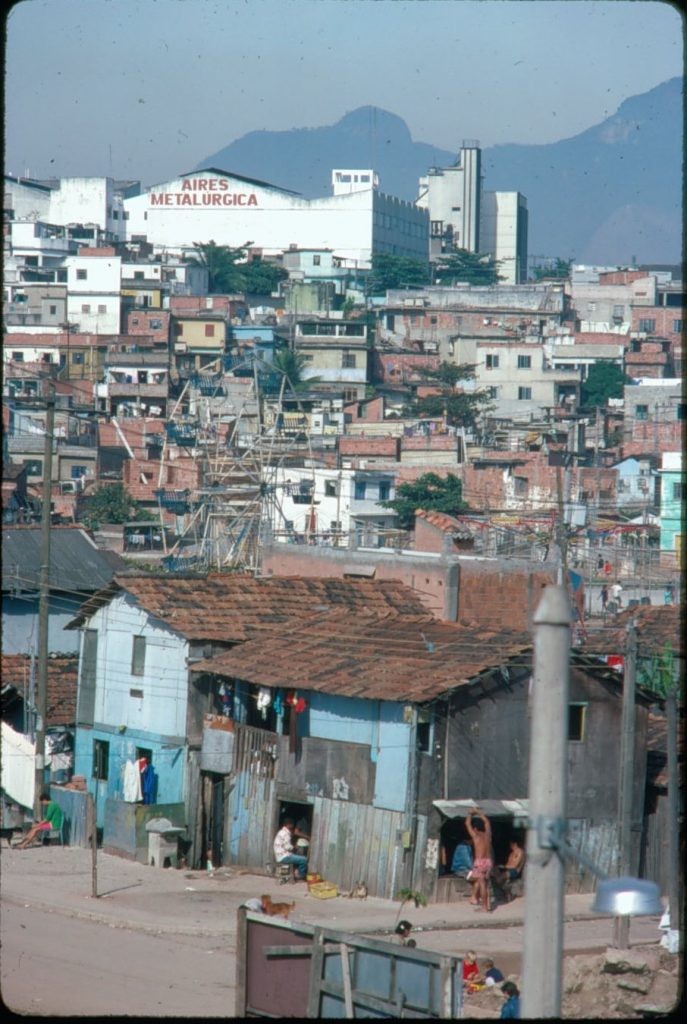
{"x":644,"y":982}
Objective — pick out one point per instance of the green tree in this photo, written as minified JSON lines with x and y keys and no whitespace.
{"x":112,"y":503}
{"x":261,"y":278}
{"x":605,"y":380}
{"x":389,"y":271}
{"x":292,"y":364}
{"x":461,"y":408}
{"x":226,"y":266}
{"x":559,"y":268}
{"x":429,"y":492}
{"x":466,"y":267}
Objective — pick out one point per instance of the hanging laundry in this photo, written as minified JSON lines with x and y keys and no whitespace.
{"x":264,"y":700}
{"x":300,"y":705}
{"x":278,"y":704}
{"x":148,"y":784}
{"x":131,"y":791}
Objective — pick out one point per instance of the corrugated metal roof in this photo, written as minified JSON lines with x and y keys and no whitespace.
{"x":76,"y":564}
{"x":492,"y":808}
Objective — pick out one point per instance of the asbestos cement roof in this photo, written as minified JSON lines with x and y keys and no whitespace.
{"x":76,"y":563}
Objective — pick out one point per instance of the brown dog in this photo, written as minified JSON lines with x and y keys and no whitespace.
{"x":276,"y":909}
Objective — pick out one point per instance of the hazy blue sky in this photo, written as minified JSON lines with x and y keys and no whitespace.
{"x":147,"y":88}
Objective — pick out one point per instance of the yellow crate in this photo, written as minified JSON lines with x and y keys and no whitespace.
{"x":323,"y":890}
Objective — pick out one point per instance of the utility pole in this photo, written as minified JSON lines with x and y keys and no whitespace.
{"x":43,"y":601}
{"x":674,"y":901}
{"x":621,"y":925}
{"x":543,"y":935}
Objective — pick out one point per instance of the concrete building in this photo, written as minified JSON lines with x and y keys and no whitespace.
{"x":93,"y":204}
{"x":336,"y":353}
{"x":464,"y":216}
{"x":333,"y":506}
{"x":212,"y":204}
{"x":521,"y":380}
{"x":503,"y":233}
{"x":93,"y":290}
{"x":452,"y":197}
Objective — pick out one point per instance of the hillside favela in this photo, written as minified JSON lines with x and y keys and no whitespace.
{"x":308,"y":479}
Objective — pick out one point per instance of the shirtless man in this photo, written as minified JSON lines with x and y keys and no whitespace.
{"x":479,"y":830}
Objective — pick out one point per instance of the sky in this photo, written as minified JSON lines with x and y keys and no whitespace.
{"x":145,"y":89}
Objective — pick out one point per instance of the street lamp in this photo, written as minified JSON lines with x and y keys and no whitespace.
{"x":619,"y":897}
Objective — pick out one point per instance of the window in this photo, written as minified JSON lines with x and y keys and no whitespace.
{"x":138,"y":275}
{"x":492,"y":362}
{"x":77,"y":358}
{"x":86,"y":307}
{"x":360,"y":488}
{"x":134,"y":321}
{"x":137,"y":694}
{"x":677,"y":326}
{"x":101,"y":759}
{"x":647,"y":325}
{"x":521,"y":486}
{"x":34,"y":467}
{"x":680,"y":411}
{"x":138,"y":656}
{"x":53,"y":310}
{"x":154,"y":323}
{"x":178,"y":330}
{"x":384,"y":490}
{"x":102,"y":308}
{"x":81,"y":275}
{"x":89,"y":654}
{"x":678,"y":491}
{"x":348,"y":361}
{"x":18,"y":357}
{"x":642,"y":412}
{"x":209,"y":330}
{"x":524,"y":362}
{"x":618,"y":312}
{"x":335,"y":524}
{"x":316,"y":260}
{"x":77,"y":472}
{"x":524,"y":394}
{"x":330,"y":488}
{"x":577,"y":720}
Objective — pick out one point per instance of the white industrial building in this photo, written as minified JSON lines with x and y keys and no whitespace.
{"x":464,"y":216}
{"x":229,"y":209}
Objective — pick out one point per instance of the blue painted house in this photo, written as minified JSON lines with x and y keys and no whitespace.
{"x":672,"y":509}
{"x":378,"y":734}
{"x":140,"y":698}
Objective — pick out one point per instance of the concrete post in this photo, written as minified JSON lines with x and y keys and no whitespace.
{"x":621,"y":928}
{"x":544,"y":884}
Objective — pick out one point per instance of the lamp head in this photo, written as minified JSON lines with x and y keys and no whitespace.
{"x":627,"y":896}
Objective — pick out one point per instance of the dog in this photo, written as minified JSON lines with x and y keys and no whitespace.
{"x":359,"y":891}
{"x":276,"y":909}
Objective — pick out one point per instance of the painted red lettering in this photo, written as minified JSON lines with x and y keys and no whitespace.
{"x":252,"y":199}
{"x":186,"y":185}
{"x":223,"y":184}
{"x":202,"y":184}
{"x":216,"y":200}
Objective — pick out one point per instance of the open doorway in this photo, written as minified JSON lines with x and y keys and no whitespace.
{"x":453,"y":834}
{"x":301,"y":815}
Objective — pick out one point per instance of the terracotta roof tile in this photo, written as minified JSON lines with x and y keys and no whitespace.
{"x":233,"y":607}
{"x":657,"y":625}
{"x":394,"y":657}
{"x":62,"y":682}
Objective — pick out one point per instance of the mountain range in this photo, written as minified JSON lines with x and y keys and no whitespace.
{"x":611,"y":194}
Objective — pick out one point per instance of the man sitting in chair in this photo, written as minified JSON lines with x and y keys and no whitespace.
{"x":283,"y":849}
{"x":52,"y":819}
